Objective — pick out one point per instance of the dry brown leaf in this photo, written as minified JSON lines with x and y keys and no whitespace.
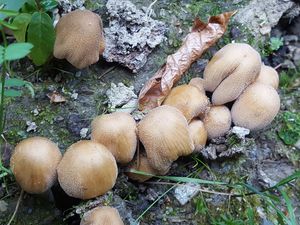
{"x":56,"y":97}
{"x":202,"y":36}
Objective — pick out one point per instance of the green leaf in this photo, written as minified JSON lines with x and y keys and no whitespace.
{"x":2,"y":51}
{"x":14,"y":5}
{"x":8,"y":25}
{"x":14,"y":82}
{"x":30,"y":7}
{"x":289,"y":206}
{"x":21,"y":22}
{"x":12,"y":93}
{"x":42,"y":35}
{"x":17,"y":51}
{"x":9,"y":13}
{"x":47,"y":5}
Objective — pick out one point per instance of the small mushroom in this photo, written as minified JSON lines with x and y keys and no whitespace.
{"x":34,"y":163}
{"x":230,"y":71}
{"x":198,"y":133}
{"x":79,"y":38}
{"x":102,"y":216}
{"x":217,"y":121}
{"x":142,"y":164}
{"x":188,"y":99}
{"x":269,"y":76}
{"x":256,"y":107}
{"x":165,"y":136}
{"x":87,"y":170}
{"x":117,"y":132}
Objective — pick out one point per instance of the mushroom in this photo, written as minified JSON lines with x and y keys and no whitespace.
{"x":79,"y":38}
{"x":230,"y":71}
{"x":87,"y":170}
{"x":268,"y":76}
{"x":102,"y":216}
{"x":117,"y":132}
{"x":142,"y":164}
{"x":188,"y":99}
{"x":165,"y":136}
{"x":256,"y":107}
{"x":217,"y":121}
{"x":34,"y":163}
{"x":198,"y":133}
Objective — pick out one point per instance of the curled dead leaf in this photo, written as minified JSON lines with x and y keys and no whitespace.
{"x":56,"y":97}
{"x":202,"y":36}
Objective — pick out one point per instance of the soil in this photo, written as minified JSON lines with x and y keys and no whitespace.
{"x":261,"y":159}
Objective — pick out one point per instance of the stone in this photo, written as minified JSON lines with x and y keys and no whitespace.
{"x":83,"y":132}
{"x":131,"y":35}
{"x":297,"y":145}
{"x":241,"y":132}
{"x":3,"y":206}
{"x":290,"y":39}
{"x":70,"y":5}
{"x":31,"y":126}
{"x":120,"y":96}
{"x":288,"y":64}
{"x":296,"y":57}
{"x":184,"y":193}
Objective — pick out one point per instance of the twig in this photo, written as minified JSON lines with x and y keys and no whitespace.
{"x":278,"y":66}
{"x":149,"y":10}
{"x":17,"y":207}
{"x":106,"y":72}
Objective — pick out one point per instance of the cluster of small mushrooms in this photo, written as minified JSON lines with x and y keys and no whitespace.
{"x":179,"y":127}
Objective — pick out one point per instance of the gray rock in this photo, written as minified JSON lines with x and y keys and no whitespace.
{"x":184,"y":193}
{"x":241,"y":132}
{"x":290,"y":38}
{"x":131,"y":35}
{"x":296,"y":57}
{"x":83,"y":132}
{"x":70,"y":5}
{"x":121,"y":96}
{"x":31,"y":126}
{"x":3,"y":206}
{"x":288,"y":64}
{"x":297,"y":145}
{"x":259,"y":16}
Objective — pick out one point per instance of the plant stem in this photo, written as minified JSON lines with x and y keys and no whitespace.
{"x":17,"y":207}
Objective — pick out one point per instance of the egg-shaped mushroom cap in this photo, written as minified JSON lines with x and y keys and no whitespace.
{"x":165,"y":136}
{"x":79,"y":38}
{"x":87,"y":170}
{"x":230,"y":71}
{"x":198,"y":133}
{"x":256,"y":107}
{"x":188,"y":99}
{"x":198,"y":83}
{"x":117,"y":132}
{"x":34,"y":163}
{"x":269,"y":76}
{"x":217,"y":121}
{"x":142,"y":164}
{"x":102,"y":216}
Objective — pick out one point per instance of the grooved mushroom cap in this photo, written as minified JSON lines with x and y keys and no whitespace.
{"x":102,"y":216}
{"x":199,"y":134}
{"x":117,"y":132}
{"x":230,"y":71}
{"x":79,"y":38}
{"x":217,"y":121}
{"x":34,"y":163}
{"x":269,"y":76}
{"x":256,"y":107}
{"x":165,"y":136}
{"x":198,"y":83}
{"x":87,"y":170}
{"x":188,"y":99}
{"x":142,"y":164}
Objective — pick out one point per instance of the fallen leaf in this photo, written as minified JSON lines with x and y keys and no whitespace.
{"x":55,"y":97}
{"x":202,"y":36}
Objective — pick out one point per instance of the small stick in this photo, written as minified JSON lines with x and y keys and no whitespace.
{"x":17,"y":207}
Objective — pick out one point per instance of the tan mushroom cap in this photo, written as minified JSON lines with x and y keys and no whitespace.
{"x":188,"y":99}
{"x":269,"y":76}
{"x":117,"y":132}
{"x":87,"y":170}
{"x":165,"y":136}
{"x":256,"y":107}
{"x":102,"y":216}
{"x":217,"y":121}
{"x":34,"y":163}
{"x":142,"y":164}
{"x":230,"y":71}
{"x":79,"y":38}
{"x":198,"y":133}
{"x":198,"y":83}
